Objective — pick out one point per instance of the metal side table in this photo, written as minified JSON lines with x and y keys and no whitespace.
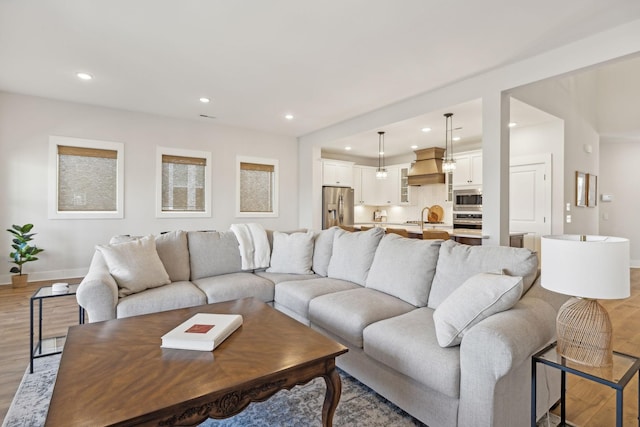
{"x":617,"y":377}
{"x":48,"y":346}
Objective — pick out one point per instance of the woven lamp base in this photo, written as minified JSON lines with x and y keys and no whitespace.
{"x":584,"y":333}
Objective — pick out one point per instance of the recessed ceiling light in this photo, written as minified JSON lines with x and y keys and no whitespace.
{"x":84,"y":76}
{"x":347,"y":148}
{"x":413,"y":147}
{"x":205,"y":100}
{"x":425,"y":130}
{"x":289,"y":116}
{"x":456,"y":138}
{"x":513,"y":124}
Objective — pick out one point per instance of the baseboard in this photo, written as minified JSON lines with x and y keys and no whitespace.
{"x":5,"y":279}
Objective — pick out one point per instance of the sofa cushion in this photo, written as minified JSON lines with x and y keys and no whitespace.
{"x":173,"y":250}
{"x":458,"y":262}
{"x":389,"y":272}
{"x":212,"y":253}
{"x":408,"y":344}
{"x":345,"y":314}
{"x":135,"y":265}
{"x":296,"y":295}
{"x":227,"y":287}
{"x":323,"y":248}
{"x":477,"y":298}
{"x":353,"y":254}
{"x":168,"y":297}
{"x":292,"y":253}
{"x":285,"y":277}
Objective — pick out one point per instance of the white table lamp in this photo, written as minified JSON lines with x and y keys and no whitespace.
{"x":587,"y":268}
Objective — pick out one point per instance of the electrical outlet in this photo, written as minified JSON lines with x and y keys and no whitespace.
{"x":568,"y":219}
{"x":568,"y":207}
{"x":605,"y":216}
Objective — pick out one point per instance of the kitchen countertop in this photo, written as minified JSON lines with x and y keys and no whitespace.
{"x":414,"y":229}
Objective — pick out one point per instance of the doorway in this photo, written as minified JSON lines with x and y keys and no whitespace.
{"x":530,"y":198}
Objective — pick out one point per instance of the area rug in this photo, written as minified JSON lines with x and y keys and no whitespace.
{"x":300,"y":406}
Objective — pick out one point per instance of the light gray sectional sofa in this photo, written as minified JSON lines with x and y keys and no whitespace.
{"x":443,"y":330}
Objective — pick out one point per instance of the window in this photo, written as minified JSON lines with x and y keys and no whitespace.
{"x":183,"y":177}
{"x":86,"y":178}
{"x":257,"y":187}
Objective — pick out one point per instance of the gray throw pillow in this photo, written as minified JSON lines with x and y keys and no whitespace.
{"x":292,"y":253}
{"x":135,"y":265}
{"x":481,"y":296}
{"x":173,"y":250}
{"x":389,"y":272}
{"x":458,"y":262}
{"x":323,"y":247}
{"x":212,"y":253}
{"x":353,"y":254}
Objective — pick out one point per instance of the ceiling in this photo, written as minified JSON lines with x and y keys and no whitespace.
{"x":403,"y":137}
{"x":323,"y":62}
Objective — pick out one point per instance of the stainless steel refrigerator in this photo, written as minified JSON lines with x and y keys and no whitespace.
{"x":337,"y":206}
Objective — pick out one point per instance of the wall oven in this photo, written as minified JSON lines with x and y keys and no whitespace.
{"x":467,"y":200}
{"x":469,"y":221}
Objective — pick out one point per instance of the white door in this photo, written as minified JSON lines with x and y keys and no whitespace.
{"x":530,"y":199}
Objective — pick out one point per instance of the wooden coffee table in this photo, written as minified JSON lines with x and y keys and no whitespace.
{"x":116,"y":373}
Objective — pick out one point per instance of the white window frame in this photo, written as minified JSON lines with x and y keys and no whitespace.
{"x":276,"y":185}
{"x":54,"y":212}
{"x":160,"y":151}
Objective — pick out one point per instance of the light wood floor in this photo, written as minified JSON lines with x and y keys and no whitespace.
{"x":588,"y":404}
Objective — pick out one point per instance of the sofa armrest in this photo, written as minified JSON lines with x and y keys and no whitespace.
{"x":98,"y":291}
{"x":495,"y":363}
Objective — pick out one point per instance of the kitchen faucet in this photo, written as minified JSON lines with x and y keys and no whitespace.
{"x":426,"y":208}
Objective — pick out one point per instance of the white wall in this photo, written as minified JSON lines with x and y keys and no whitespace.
{"x":619,"y":177}
{"x":25,"y":126}
{"x":559,"y":97}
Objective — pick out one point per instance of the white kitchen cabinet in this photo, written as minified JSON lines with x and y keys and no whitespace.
{"x":405,"y":188}
{"x":337,"y":173}
{"x":376,"y":192}
{"x":468,"y":172}
{"x":358,"y":198}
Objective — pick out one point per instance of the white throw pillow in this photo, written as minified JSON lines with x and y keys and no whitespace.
{"x":479,"y":297}
{"x":292,"y":253}
{"x":135,"y":265}
{"x":458,"y":262}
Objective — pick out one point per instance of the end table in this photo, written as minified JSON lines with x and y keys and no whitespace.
{"x":48,"y":346}
{"x":617,"y":377}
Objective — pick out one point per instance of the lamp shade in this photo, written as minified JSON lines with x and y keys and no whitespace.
{"x":597,"y":267}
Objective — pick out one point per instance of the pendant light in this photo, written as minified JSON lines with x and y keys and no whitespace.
{"x":381,"y":172}
{"x":448,"y":163}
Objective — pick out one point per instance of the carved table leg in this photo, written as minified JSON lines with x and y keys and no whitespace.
{"x":332,"y":397}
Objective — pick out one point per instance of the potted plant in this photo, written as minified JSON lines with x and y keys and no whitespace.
{"x":22,"y":252}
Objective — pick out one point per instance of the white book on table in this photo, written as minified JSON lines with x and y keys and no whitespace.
{"x":203,"y":331}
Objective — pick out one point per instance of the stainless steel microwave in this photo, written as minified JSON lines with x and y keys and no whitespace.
{"x":469,"y":200}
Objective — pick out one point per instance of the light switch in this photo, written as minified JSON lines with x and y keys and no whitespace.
{"x":568,"y":219}
{"x":607,"y":197}
{"x":605,"y":216}
{"x":568,"y":207}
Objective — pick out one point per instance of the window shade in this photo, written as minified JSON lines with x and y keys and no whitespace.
{"x":180,"y":160}
{"x":65,"y":150}
{"x":256,"y":167}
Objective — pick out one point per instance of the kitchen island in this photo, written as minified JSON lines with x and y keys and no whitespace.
{"x":460,"y":235}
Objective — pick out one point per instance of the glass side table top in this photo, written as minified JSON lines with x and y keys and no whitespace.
{"x":47,"y":292}
{"x":623,"y":368}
